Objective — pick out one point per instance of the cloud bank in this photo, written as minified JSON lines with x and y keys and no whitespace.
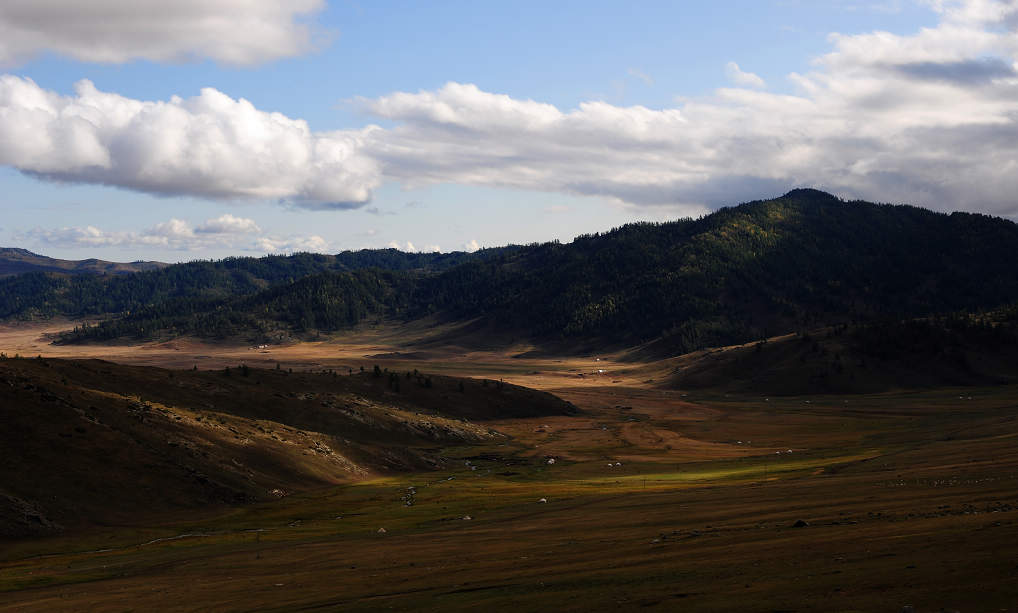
{"x":176,"y":234}
{"x":239,"y":32}
{"x":929,"y":118}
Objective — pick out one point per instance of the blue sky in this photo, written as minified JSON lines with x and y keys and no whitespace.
{"x":453,"y":125}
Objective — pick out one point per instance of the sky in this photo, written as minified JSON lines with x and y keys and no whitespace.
{"x":142,"y":129}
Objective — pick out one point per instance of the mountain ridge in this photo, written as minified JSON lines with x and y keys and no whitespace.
{"x":16,"y":260}
{"x":756,"y":270}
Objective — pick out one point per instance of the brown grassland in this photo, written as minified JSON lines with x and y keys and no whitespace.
{"x":658,"y":499}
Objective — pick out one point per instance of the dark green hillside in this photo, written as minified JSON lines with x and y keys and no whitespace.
{"x":958,"y":350}
{"x":194,"y":286}
{"x":325,"y":301}
{"x":763,"y":268}
{"x":747,"y":272}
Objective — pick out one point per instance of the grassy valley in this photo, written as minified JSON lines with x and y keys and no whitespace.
{"x":657,"y":499}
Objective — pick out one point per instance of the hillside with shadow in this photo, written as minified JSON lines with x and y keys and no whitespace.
{"x":89,"y":441}
{"x":761,"y":269}
{"x":959,"y":351}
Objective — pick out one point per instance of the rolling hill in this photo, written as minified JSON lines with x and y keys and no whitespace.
{"x":974,"y":350}
{"x":93,"y":441}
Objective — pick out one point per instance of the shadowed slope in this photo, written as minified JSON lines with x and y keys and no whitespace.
{"x":863,"y":358}
{"x":91,"y":441}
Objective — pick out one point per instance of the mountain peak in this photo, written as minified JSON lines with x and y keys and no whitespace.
{"x":809,"y":193}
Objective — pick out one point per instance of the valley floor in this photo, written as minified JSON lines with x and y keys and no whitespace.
{"x":657,"y":500}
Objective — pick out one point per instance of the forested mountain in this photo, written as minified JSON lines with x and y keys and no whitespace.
{"x":17,"y":261}
{"x":194,"y":286}
{"x":751,"y":271}
{"x":320,"y":302}
{"x":741,"y":273}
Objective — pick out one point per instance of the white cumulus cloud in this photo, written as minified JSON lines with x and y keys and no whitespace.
{"x":461,"y":134}
{"x":745,"y":79}
{"x":228,"y":224}
{"x":292,"y":244}
{"x":210,"y":145}
{"x":239,"y":32}
{"x":224,"y":231}
{"x":172,"y":234}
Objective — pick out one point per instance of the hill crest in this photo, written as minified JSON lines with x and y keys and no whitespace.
{"x":15,"y":261}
